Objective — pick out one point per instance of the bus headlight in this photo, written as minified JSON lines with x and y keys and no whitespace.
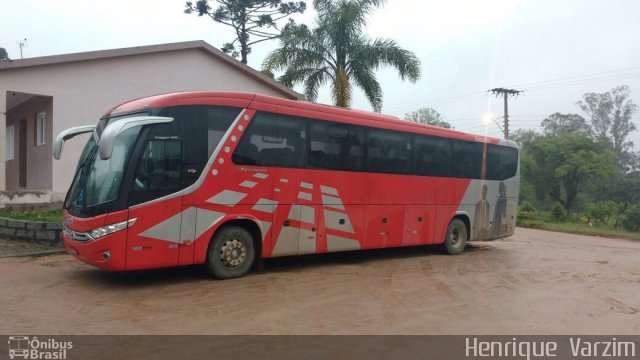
{"x":110,"y":229}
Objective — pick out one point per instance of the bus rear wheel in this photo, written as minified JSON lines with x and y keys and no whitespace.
{"x":231,"y":253}
{"x":456,"y":237}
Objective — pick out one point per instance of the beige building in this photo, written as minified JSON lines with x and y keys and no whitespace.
{"x":40,"y":97}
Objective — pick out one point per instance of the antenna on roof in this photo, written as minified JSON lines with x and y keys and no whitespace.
{"x":22,"y":44}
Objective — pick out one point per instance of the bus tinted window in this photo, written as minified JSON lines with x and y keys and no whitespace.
{"x":502,"y":162}
{"x":432,"y":156}
{"x":467,"y":159}
{"x":219,"y":120}
{"x":175,"y":153}
{"x":388,"y":151}
{"x":273,"y":140}
{"x":336,"y":146}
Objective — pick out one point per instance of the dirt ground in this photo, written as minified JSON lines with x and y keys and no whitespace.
{"x":535,"y":282}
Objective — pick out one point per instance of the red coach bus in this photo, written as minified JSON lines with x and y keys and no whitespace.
{"x":223,"y":178}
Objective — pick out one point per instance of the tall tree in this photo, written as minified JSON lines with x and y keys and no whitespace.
{"x":524,"y":137}
{"x":598,"y":107}
{"x":610,"y":115}
{"x":3,"y":55}
{"x":337,"y":51}
{"x":558,"y":123}
{"x":565,"y":166}
{"x":257,"y":18}
{"x":621,"y":125}
{"x":429,"y":116}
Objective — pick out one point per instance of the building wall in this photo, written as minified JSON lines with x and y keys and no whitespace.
{"x":83,"y":91}
{"x":38,"y":157}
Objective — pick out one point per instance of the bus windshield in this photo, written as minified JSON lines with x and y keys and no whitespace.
{"x":98,"y":181}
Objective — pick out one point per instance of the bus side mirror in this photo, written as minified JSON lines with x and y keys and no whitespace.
{"x":108,"y":136}
{"x":68,"y":134}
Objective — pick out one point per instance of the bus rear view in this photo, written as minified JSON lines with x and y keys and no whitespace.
{"x":223,"y":179}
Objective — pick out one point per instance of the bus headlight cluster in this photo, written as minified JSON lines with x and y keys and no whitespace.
{"x":110,"y":229}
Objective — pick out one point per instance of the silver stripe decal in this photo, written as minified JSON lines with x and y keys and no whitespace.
{"x":338,"y":243}
{"x":287,"y":243}
{"x":265,"y":229}
{"x":304,"y":196}
{"x":306,"y":185}
{"x":227,"y":197}
{"x":333,"y":202}
{"x":307,"y":242}
{"x":265,"y":205}
{"x":167,"y":230}
{"x":328,"y":190}
{"x":261,"y":175}
{"x":205,"y":219}
{"x":248,"y":184}
{"x":302,"y":213}
{"x":332,"y":221}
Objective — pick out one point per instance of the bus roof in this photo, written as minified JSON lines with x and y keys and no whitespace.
{"x":243,"y":99}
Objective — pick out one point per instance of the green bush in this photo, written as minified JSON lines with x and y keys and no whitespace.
{"x":527,"y":206}
{"x":631,"y":219}
{"x":557,"y":212}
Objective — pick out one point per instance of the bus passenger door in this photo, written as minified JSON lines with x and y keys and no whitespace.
{"x":286,"y":230}
{"x":154,"y":240}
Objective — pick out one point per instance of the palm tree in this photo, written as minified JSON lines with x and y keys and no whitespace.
{"x":337,"y":51}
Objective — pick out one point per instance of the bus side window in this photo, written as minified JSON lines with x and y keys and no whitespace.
{"x":432,"y":156}
{"x":336,"y":146}
{"x":502,"y":162}
{"x":467,"y":157}
{"x":273,"y":140}
{"x":389,"y":152}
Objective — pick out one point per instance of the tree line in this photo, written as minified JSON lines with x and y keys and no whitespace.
{"x":584,"y":166}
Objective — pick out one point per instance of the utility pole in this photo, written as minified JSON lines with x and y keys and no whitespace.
{"x":505,"y":94}
{"x":22,"y":44}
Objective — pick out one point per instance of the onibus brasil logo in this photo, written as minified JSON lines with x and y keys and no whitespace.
{"x":25,"y":347}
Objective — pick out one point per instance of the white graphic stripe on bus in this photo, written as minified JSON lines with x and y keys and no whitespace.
{"x":306,"y":185}
{"x":261,"y":175}
{"x":304,"y":196}
{"x":227,"y":198}
{"x":265,"y":205}
{"x":338,"y":243}
{"x":329,"y":190}
{"x":248,"y":184}
{"x":302,"y":213}
{"x":332,"y":202}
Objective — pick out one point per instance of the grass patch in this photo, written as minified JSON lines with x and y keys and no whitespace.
{"x":47,"y":216}
{"x":584,"y":229}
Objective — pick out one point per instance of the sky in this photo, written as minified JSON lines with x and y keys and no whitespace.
{"x":553,"y":50}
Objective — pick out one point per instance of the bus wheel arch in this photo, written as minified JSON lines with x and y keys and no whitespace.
{"x":233,"y":249}
{"x":456,"y":235}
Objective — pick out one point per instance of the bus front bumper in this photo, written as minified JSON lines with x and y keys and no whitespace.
{"x":106,"y":253}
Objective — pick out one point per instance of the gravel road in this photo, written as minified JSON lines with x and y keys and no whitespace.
{"x":535,"y":282}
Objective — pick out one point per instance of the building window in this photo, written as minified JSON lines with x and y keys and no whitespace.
{"x":40,"y":127}
{"x":10,"y":143}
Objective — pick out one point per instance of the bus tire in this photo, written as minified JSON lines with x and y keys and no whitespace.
{"x":455,"y":238}
{"x":231,"y":253}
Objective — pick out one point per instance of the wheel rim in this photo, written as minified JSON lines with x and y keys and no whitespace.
{"x":233,"y":253}
{"x":455,"y":238}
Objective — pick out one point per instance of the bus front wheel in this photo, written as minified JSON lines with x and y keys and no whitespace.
{"x":231,"y":253}
{"x":456,"y":237}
